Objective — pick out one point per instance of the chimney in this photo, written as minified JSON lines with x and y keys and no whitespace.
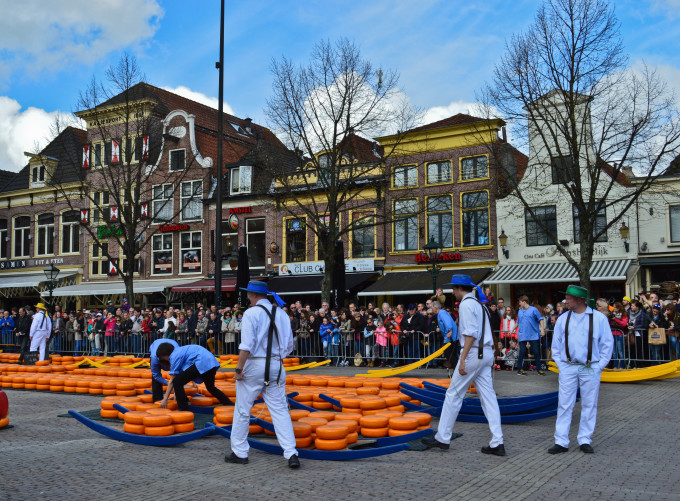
{"x":628,"y":171}
{"x":249,"y":125}
{"x":504,"y":133}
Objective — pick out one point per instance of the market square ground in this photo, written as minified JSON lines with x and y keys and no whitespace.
{"x":636,"y":442}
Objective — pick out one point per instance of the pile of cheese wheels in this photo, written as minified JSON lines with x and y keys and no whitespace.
{"x":146,"y":417}
{"x":4,"y":409}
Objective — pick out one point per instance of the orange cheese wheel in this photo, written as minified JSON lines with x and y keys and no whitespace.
{"x":109,"y":385}
{"x":219,"y":411}
{"x":370,"y":390}
{"x":255,"y":429}
{"x":303,"y":442}
{"x":327,"y":415}
{"x":424,"y":419}
{"x":202,"y":401}
{"x":332,"y":432}
{"x":225,"y":419}
{"x":376,"y":421}
{"x":126,"y":393}
{"x":351,"y":402}
{"x":137,"y":429}
{"x":388,"y":413}
{"x":157,"y":411}
{"x":352,"y":437}
{"x":125,"y":386}
{"x":353,"y":384}
{"x":135,"y":417}
{"x":4,"y":421}
{"x":376,"y":403}
{"x":374,"y":432}
{"x":302,"y":430}
{"x":42,"y":362}
{"x":146,"y":399}
{"x":395,"y":433}
{"x":322,"y":405}
{"x":330,"y":445}
{"x":403,"y":423}
{"x":351,"y":425}
{"x":351,"y":410}
{"x":355,"y":416}
{"x":184,"y":427}
{"x":32,"y":387}
{"x":304,"y":397}
{"x":315,"y":422}
{"x":392,"y":400}
{"x":159,"y":431}
{"x":56,"y":388}
{"x":318,"y":381}
{"x":145,"y":407}
{"x":296,"y":414}
{"x":182,"y":417}
{"x":109,"y":414}
{"x":301,"y":381}
{"x":399,"y":408}
{"x":44,"y":387}
{"x":158,"y":420}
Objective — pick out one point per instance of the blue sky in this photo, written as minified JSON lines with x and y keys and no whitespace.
{"x":444,"y":50}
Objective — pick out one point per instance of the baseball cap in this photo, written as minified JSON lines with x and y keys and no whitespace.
{"x":411,"y":306}
{"x":627,"y":298}
{"x":99,"y":314}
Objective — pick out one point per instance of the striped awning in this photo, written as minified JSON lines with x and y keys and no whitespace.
{"x":600,"y":271}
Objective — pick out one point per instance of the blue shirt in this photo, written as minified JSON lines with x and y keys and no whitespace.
{"x":446,"y":324}
{"x":155,"y":361}
{"x":186,"y":356}
{"x":529,"y":324}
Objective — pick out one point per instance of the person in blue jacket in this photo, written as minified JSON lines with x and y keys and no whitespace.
{"x":7,"y":328}
{"x":189,"y":363}
{"x":157,"y":380}
{"x":325,"y":330}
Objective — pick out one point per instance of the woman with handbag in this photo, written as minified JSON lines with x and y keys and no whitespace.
{"x":673,"y":318}
{"x":658,"y":321}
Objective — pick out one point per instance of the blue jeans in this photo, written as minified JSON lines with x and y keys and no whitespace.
{"x":335,"y":350}
{"x":655,"y":351}
{"x":619,"y":355}
{"x":56,"y":346}
{"x":135,"y":343}
{"x":80,"y":346}
{"x":358,"y":347}
{"x":523,"y":351}
{"x":674,"y":347}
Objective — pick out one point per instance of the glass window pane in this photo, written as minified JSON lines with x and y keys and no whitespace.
{"x":244,"y":184}
{"x":435,"y":204}
{"x":255,"y":224}
{"x":674,"y":215}
{"x":185,"y":240}
{"x":196,"y":239}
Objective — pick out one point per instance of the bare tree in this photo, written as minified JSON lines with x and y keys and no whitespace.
{"x":587,"y":118}
{"x":325,"y":112}
{"x":117,"y":174}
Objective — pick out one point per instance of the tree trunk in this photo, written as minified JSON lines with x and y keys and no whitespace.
{"x":129,"y":287}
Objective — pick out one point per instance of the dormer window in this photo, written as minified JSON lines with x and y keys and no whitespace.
{"x":240,"y":180}
{"x":38,"y":175}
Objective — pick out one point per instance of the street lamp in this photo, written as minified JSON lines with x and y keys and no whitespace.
{"x":624,"y":231}
{"x":51,"y":272}
{"x":503,"y":240}
{"x":434,"y":251}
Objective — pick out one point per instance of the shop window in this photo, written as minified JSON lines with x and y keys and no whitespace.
{"x":255,"y":241}
{"x":405,"y":227}
{"x":474,"y":168}
{"x":475,"y":210}
{"x":363,"y":235}
{"x":3,"y":239}
{"x":163,"y":203}
{"x":440,"y":220}
{"x":190,"y":197}
{"x":45,"y":234}
{"x":161,"y":254}
{"x":22,"y":236}
{"x":296,"y":240}
{"x":229,"y":243}
{"x":438,"y":172}
{"x":99,"y":259}
{"x":70,"y":232}
{"x":535,"y":234}
{"x":190,"y":247}
{"x":405,"y":176}
{"x":599,"y":224}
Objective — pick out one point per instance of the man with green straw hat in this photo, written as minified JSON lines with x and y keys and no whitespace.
{"x":581,"y":347}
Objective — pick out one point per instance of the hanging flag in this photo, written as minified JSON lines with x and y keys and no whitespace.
{"x":86,"y":156}
{"x":84,"y":216}
{"x":114,"y":213}
{"x":145,"y":147}
{"x":115,"y":151}
{"x":144,"y":210}
{"x":113,"y":267}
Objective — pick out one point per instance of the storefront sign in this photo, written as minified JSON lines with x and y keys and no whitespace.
{"x":444,"y":257}
{"x":13,"y":265}
{"x":29,"y":263}
{"x":317,"y":267}
{"x":108,"y":231}
{"x":167,"y":228}
{"x":241,"y":210}
{"x":575,"y":252}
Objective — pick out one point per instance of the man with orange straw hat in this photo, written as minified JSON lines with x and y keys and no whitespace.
{"x":41,"y":329}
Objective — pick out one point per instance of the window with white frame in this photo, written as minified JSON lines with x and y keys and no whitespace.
{"x":474,"y":168}
{"x":177,"y":159}
{"x":405,"y":176}
{"x":190,"y":248}
{"x":406,"y":224}
{"x":440,"y":220}
{"x":241,"y":180}
{"x":161,"y":254}
{"x":3,"y":239}
{"x":162,"y":204}
{"x":100,"y":214}
{"x":22,"y":236}
{"x":45,"y":234}
{"x":38,"y":175}
{"x":674,"y":223}
{"x":255,"y":241}
{"x":98,"y":259}
{"x":70,"y":232}
{"x":190,"y":197}
{"x":438,"y":172}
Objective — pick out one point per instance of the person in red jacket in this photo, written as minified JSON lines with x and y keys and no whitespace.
{"x":618,"y":320}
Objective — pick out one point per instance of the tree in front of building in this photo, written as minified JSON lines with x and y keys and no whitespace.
{"x":589,"y":121}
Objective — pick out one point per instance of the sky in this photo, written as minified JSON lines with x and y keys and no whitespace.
{"x":443,"y":50}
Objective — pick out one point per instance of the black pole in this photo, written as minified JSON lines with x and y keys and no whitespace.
{"x":218,"y":188}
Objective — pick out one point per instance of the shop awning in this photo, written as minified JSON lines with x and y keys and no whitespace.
{"x":400,"y":283}
{"x":311,"y":284}
{"x":118,"y":287}
{"x":600,"y":271}
{"x":660,"y":261}
{"x":29,"y":279}
{"x":207,"y":285}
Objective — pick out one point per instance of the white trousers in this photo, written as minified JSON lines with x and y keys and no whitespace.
{"x":571,"y":377}
{"x":479,"y":372}
{"x":39,"y":341}
{"x":274,"y":396}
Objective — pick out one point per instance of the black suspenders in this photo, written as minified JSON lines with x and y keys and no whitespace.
{"x":590,"y":337}
{"x":480,"y":345}
{"x":270,"y":339}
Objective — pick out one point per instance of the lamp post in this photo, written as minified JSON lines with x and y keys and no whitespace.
{"x":503,"y":240}
{"x":51,"y":272}
{"x":624,"y":231}
{"x":434,"y":251}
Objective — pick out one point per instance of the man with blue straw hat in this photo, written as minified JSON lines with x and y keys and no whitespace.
{"x":266,"y":339}
{"x":474,"y":365}
{"x":581,"y":347}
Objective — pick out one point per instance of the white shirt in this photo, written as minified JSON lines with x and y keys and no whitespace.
{"x":603,"y":340}
{"x":470,"y":316}
{"x":40,"y":327}
{"x":255,"y":331}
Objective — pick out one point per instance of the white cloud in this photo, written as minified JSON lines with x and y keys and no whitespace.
{"x":36,"y":36}
{"x":199,"y":97}
{"x":454,"y":107}
{"x":21,"y":130}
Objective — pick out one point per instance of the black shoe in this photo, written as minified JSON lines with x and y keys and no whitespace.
{"x":521,"y":373}
{"x":587,"y":448}
{"x":541,"y":373}
{"x":235,"y":459}
{"x":293,"y":462}
{"x":431,"y":442}
{"x":556,"y":449}
{"x":499,"y":450}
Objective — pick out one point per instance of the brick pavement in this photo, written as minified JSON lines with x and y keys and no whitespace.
{"x":635,"y":441}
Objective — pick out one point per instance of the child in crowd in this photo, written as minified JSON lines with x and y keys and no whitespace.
{"x":325,"y":331}
{"x":335,"y":345}
{"x":381,"y":342}
{"x":369,"y":341}
{"x":510,"y":356}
